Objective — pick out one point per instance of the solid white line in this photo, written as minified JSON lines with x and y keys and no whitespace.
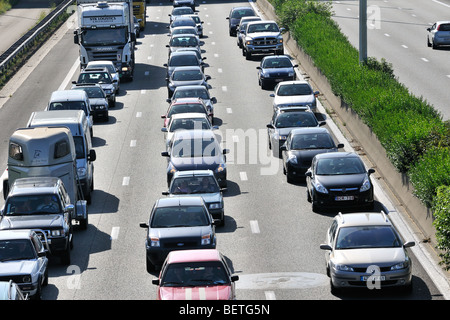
{"x":72,"y":70}
{"x":441,"y":3}
{"x":254,"y":226}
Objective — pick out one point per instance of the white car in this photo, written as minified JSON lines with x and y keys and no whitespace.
{"x":439,"y":34}
{"x":364,"y":250}
{"x":111,"y":68}
{"x":294,"y":94}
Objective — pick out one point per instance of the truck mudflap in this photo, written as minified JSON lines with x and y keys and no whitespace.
{"x":81,"y":213}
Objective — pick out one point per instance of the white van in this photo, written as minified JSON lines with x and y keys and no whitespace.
{"x":72,"y":100}
{"x":77,"y":122}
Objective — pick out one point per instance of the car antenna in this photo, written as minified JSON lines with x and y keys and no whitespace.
{"x":341,"y":216}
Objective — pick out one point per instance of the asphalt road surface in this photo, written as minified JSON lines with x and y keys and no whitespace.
{"x":271,"y":237}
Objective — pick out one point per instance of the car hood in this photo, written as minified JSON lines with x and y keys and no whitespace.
{"x":197,"y":163}
{"x":274,"y":71}
{"x":207,"y":197}
{"x":107,"y":86}
{"x":222,"y":292}
{"x":187,"y":83}
{"x":294,"y":100}
{"x":180,"y":232}
{"x":17,"y":267}
{"x":284,"y":131}
{"x":262,"y":34}
{"x":381,"y":257}
{"x":339,"y":181}
{"x":97,"y":101}
{"x":37,"y":221}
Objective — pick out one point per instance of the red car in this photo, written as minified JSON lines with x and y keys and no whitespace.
{"x":187,"y":105}
{"x":201,"y":274}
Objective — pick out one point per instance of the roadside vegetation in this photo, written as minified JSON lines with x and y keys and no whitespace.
{"x":5,"y":5}
{"x":416,"y":139}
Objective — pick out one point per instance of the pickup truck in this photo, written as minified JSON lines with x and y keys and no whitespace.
{"x":262,"y":37}
{"x":41,"y":203}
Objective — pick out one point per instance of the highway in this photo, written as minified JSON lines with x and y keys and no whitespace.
{"x":397,"y":32}
{"x":271,"y":236}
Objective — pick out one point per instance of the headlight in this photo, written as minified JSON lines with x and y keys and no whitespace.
{"x":206,"y":239}
{"x":57,"y":233}
{"x":366,"y":185}
{"x":401,"y":265}
{"x":26,"y":279}
{"x":343,"y":267}
{"x":154,"y":242}
{"x":320,"y":188}
{"x":172,"y":168}
{"x":248,"y":42}
{"x":280,"y":40}
{"x":292,"y":159}
{"x":216,"y":205}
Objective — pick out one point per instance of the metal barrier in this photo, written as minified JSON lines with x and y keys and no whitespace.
{"x":27,"y":39}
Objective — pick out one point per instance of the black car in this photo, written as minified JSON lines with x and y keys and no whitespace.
{"x":286,"y":119}
{"x":337,"y":180}
{"x":301,"y":146}
{"x":274,"y":69}
{"x":184,"y":76}
{"x":177,"y":223}
{"x":183,"y":59}
{"x":235,"y":15}
{"x":196,"y":150}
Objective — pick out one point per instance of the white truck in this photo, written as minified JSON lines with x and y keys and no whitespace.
{"x":106,"y":31}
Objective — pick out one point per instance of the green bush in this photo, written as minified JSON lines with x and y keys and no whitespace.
{"x":442,"y":224}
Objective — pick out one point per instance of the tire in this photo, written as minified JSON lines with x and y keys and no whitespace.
{"x":150,"y":266}
{"x":45,"y":282}
{"x":248,"y":55}
{"x":65,"y":256}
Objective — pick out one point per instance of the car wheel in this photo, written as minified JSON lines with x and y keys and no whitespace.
{"x":248,"y":55}
{"x":150,"y":266}
{"x":308,"y":196}
{"x":263,"y":85}
{"x":434,"y":45}
{"x":45,"y":282}
{"x":334,"y":290}
{"x":428,"y":42}
{"x":243,"y":51}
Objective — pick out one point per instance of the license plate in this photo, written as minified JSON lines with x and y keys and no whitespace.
{"x":373,"y":278}
{"x":344,"y":198}
{"x":265,"y":50}
{"x":278,"y":80}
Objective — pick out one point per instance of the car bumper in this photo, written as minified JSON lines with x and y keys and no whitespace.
{"x":272,"y":81}
{"x":29,"y":289}
{"x":295,"y":171}
{"x":217,"y":214}
{"x":58,"y":245}
{"x":100,"y":114}
{"x":341,"y":279}
{"x":264,"y":49}
{"x":343,"y":200}
{"x":157,"y":255}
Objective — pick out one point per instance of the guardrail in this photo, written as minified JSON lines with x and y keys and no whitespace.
{"x":27,"y":39}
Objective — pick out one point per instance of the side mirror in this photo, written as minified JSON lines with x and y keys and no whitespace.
{"x":155,"y":282}
{"x":163,"y":116}
{"x":370,"y":171}
{"x":165,"y":154}
{"x":283,"y":147}
{"x":92,"y":155}
{"x":340,"y":145}
{"x":75,"y":37}
{"x":322,"y":123}
{"x":207,"y":78}
{"x":164,"y":129}
{"x":143,"y":225}
{"x":234,"y":278}
{"x":258,"y":67}
{"x":213,"y":100}
{"x":409,"y":244}
{"x":316,"y":93}
{"x":226,"y":151}
{"x":325,"y":247}
{"x":272,"y":95}
{"x":270,"y":126}
{"x":165,"y":193}
{"x":308,"y":173}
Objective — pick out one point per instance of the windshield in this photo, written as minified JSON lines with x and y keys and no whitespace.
{"x":100,"y":36}
{"x":188,"y":41}
{"x":189,"y":124}
{"x":202,"y":273}
{"x":337,"y":166}
{"x":263,"y":27}
{"x":276,"y":63}
{"x":32,"y":204}
{"x":188,"y":148}
{"x":294,"y":90}
{"x":186,"y":108}
{"x":183,"y":60}
{"x":184,"y":31}
{"x":239,"y":13}
{"x":296,"y":119}
{"x":193,"y":184}
{"x":187,"y":75}
{"x":94,"y":77}
{"x":17,"y":249}
{"x":180,"y":216}
{"x":367,"y":237}
{"x":191,"y":93}
{"x":312,"y":141}
{"x":182,"y":11}
{"x":183,"y":22}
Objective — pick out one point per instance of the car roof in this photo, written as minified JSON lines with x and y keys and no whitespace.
{"x":337,"y":155}
{"x":293,"y":82}
{"x":179,"y":201}
{"x":187,"y":100}
{"x":190,"y":87}
{"x":100,"y":62}
{"x":193,"y":134}
{"x":363,"y":219}
{"x":292,"y":109}
{"x":36,"y":185}
{"x":15,"y":234}
{"x":306,"y":130}
{"x":193,"y":173}
{"x":68,"y":95}
{"x":187,"y":68}
{"x":283,"y":56}
{"x":180,"y":256}
{"x":189,"y":115}
{"x":261,"y":21}
{"x":182,"y":53}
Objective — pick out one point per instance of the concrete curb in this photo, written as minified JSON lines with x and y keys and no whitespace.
{"x":409,"y":215}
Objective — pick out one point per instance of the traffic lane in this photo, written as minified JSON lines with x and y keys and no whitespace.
{"x":387,"y":26}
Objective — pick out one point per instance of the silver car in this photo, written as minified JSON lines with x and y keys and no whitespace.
{"x":364,"y":250}
{"x":23,"y":259}
{"x":294,"y":93}
{"x":113,"y":71}
{"x":439,"y":34}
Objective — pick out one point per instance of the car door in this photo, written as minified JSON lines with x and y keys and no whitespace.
{"x":42,"y":261}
